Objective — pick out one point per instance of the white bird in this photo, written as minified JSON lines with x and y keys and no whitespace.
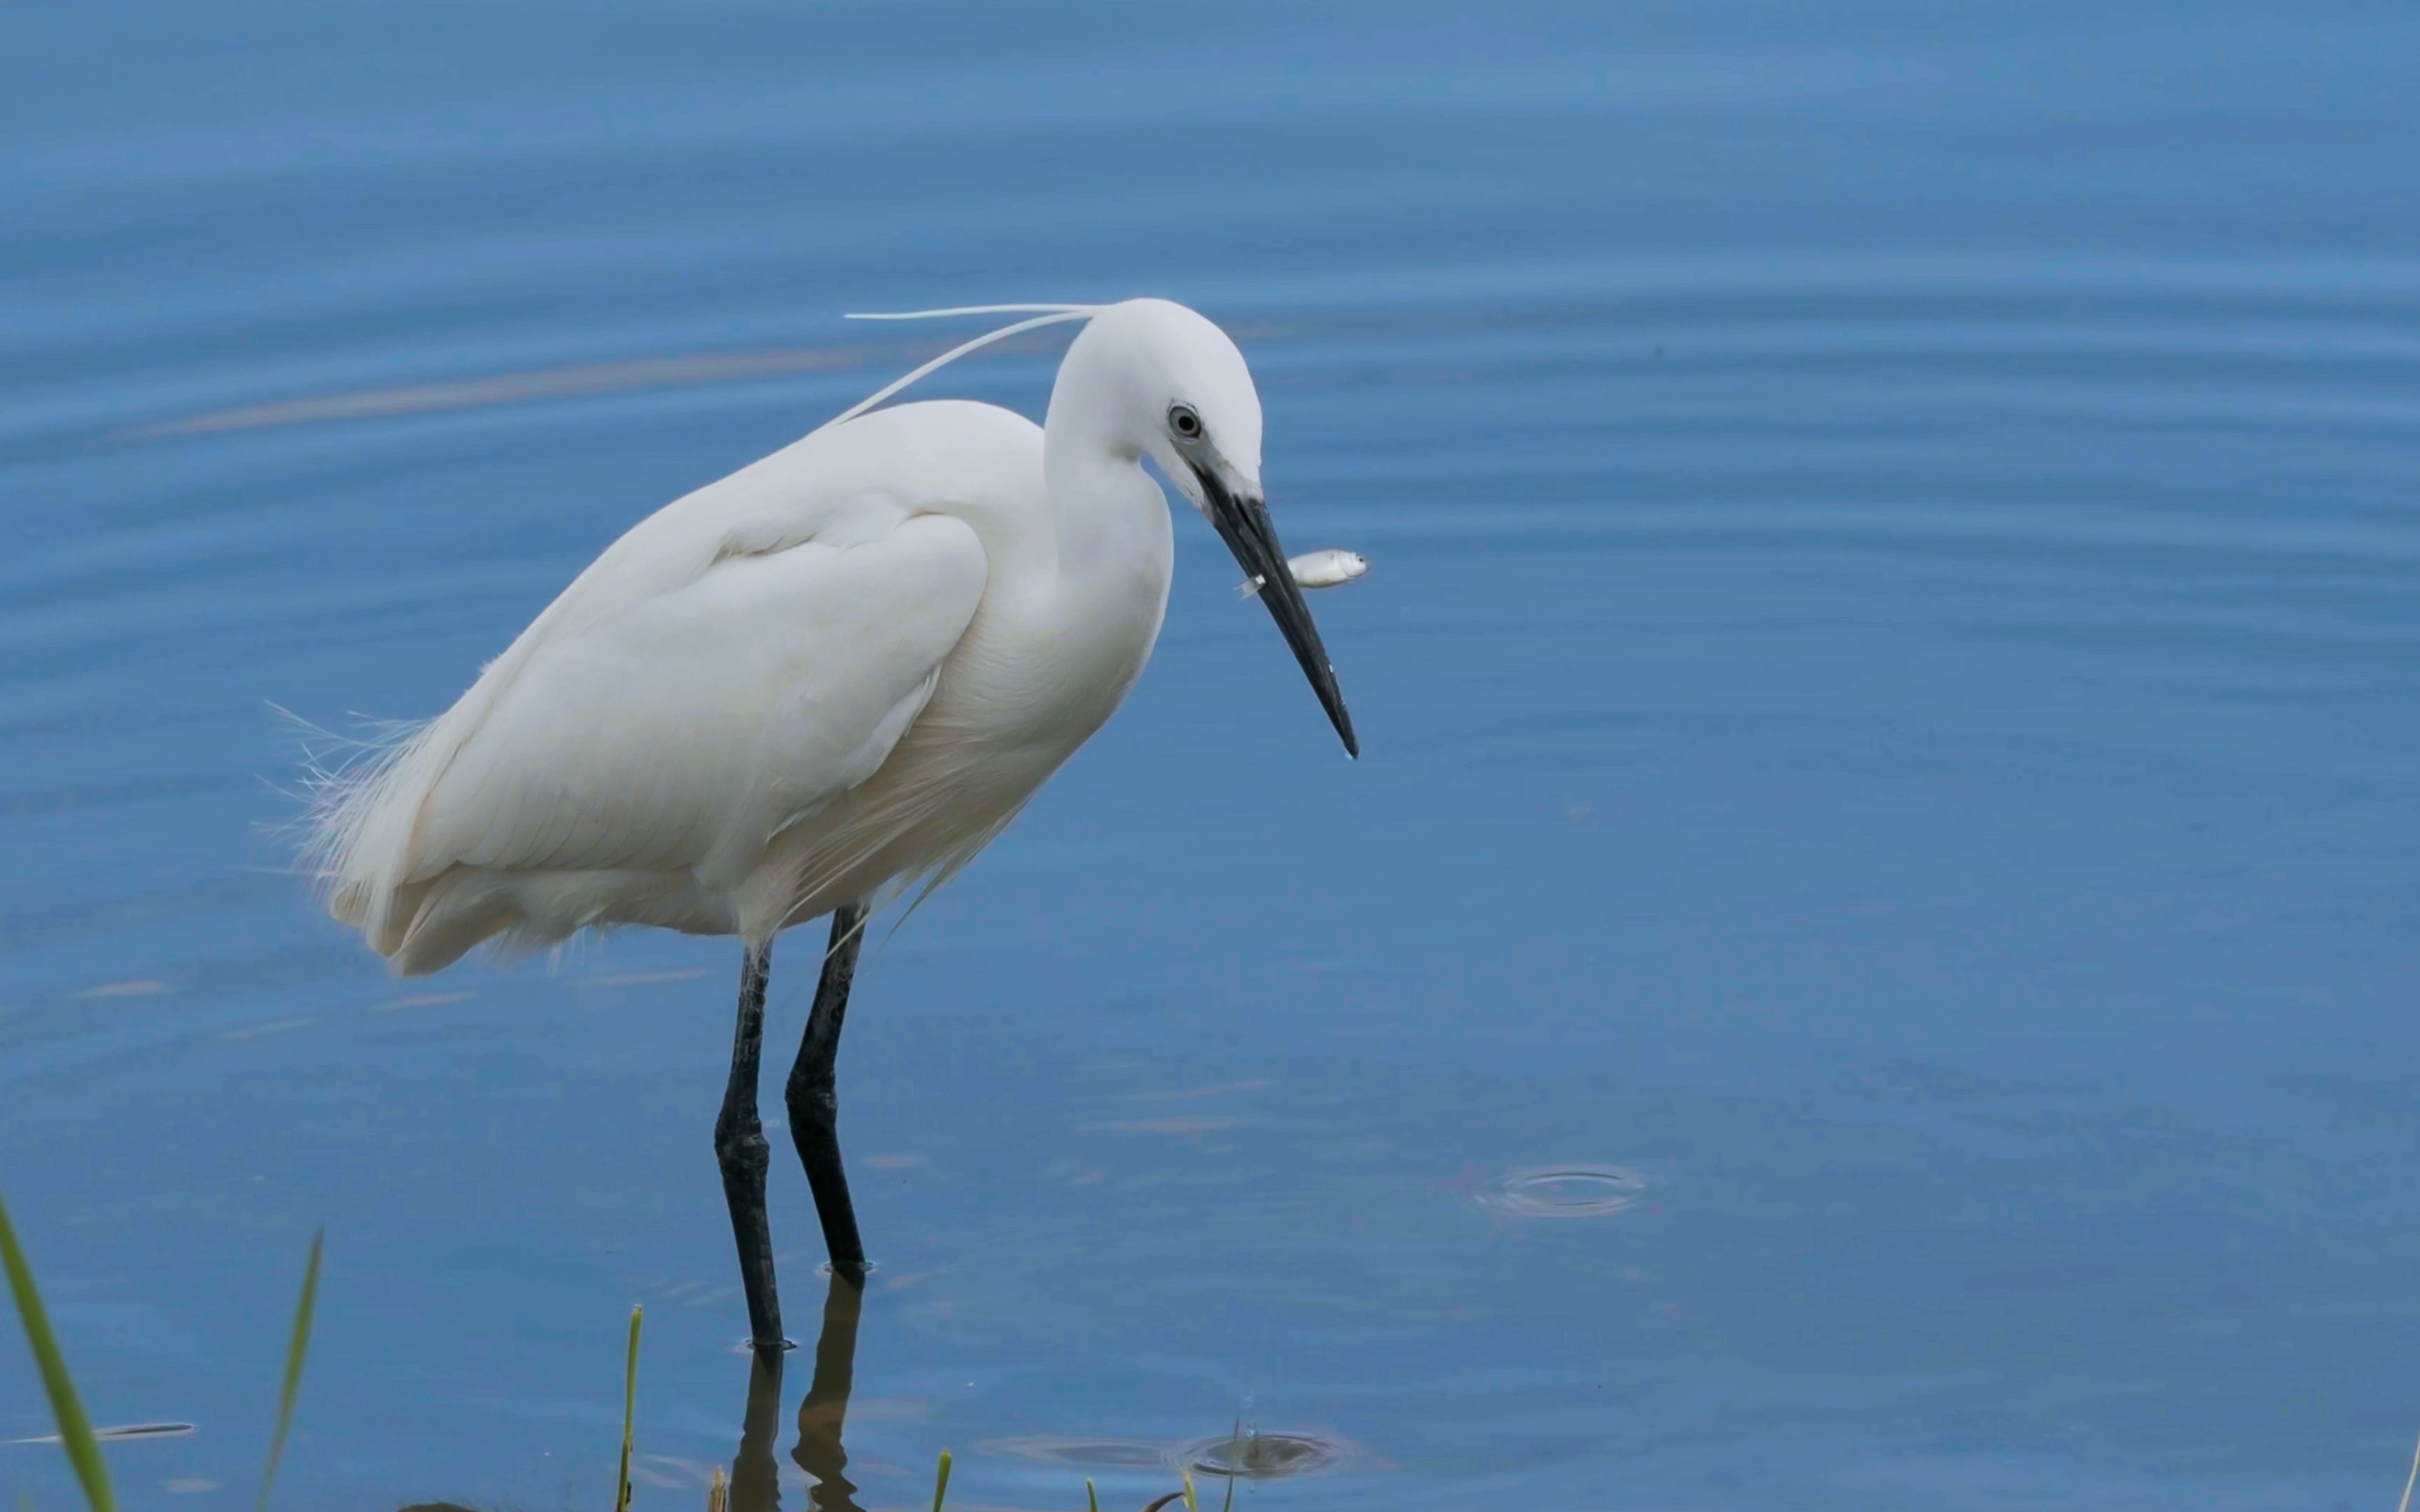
{"x":1313,"y":569}
{"x":840,"y":671}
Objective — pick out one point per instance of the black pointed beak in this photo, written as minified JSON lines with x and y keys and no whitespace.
{"x":1242,"y":523}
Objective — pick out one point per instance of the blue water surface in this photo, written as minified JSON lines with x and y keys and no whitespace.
{"x":1887,"y":681}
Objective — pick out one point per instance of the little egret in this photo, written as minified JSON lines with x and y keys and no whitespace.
{"x":837,"y":673}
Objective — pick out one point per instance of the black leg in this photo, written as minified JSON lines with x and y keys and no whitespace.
{"x":815,"y":1102}
{"x":739,"y":1144}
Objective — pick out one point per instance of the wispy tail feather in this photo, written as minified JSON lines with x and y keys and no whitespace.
{"x":360,"y":801}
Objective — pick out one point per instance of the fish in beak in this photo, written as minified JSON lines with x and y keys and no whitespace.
{"x":1242,"y":520}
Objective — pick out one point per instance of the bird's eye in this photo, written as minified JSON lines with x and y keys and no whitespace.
{"x":1182,"y":420}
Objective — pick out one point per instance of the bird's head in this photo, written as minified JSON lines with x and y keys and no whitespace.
{"x":1162,"y":381}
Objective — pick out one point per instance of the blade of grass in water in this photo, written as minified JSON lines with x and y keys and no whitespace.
{"x":296,"y":1348}
{"x":629,"y":1411}
{"x":75,"y":1430}
{"x":1190,"y":1504}
{"x":1092,"y":1497}
{"x":2405,"y":1506}
{"x":941,"y":1481}
{"x":1239,"y":1454}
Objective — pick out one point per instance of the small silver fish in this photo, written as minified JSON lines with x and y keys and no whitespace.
{"x":1313,"y":569}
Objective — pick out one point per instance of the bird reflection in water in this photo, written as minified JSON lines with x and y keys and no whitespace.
{"x":755,"y":1482}
{"x":755,"y":1477}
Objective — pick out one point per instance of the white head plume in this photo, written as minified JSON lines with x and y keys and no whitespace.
{"x":1048,"y":314}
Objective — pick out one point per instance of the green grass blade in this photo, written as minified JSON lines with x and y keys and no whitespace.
{"x":75,"y":1430}
{"x":2410,"y":1480}
{"x":1239,"y":1454}
{"x":1092,"y":1497}
{"x":1190,"y":1504}
{"x":296,"y":1348}
{"x":630,"y":1413}
{"x":941,"y":1482}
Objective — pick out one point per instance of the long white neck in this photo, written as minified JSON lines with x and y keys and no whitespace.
{"x":1102,"y":502}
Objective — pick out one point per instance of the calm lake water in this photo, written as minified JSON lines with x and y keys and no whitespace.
{"x":1888,"y":677}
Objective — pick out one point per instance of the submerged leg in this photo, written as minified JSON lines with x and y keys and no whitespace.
{"x":739,"y":1144}
{"x":815,"y":1102}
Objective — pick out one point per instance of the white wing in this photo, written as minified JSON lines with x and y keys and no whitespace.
{"x":736,"y":660}
{"x":688,"y":729}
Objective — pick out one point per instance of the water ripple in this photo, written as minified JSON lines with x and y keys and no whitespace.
{"x":1256,"y":1456}
{"x":1566,"y":1191}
